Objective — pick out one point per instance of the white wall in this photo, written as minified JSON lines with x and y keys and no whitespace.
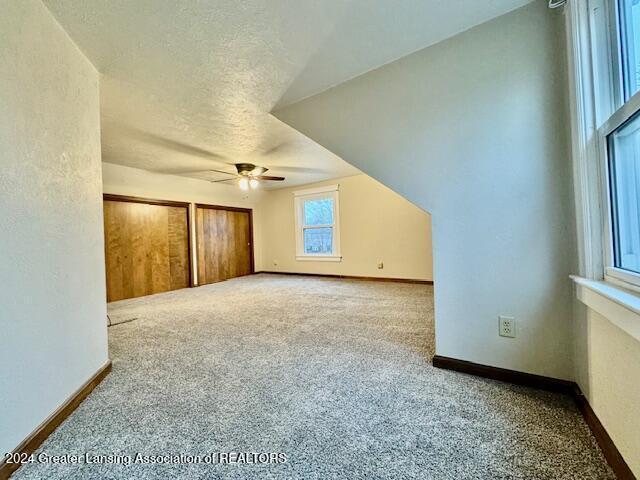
{"x":53,"y":316}
{"x":376,"y":224}
{"x":473,"y":130}
{"x":608,"y":373}
{"x":121,"y":180}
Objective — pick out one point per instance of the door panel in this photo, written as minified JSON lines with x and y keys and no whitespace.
{"x":224,"y":244}
{"x":179,"y":263}
{"x":146,"y":248}
{"x":230,"y":237}
{"x":243,"y":238}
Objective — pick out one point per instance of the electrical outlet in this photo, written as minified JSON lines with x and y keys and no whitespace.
{"x":275,"y":263}
{"x":506,"y":326}
{"x":380,"y":265}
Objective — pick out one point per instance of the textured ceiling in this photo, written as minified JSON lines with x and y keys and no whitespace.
{"x":188,"y":85}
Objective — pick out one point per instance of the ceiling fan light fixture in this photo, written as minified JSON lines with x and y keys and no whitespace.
{"x":244,"y":183}
{"x":254,"y":183}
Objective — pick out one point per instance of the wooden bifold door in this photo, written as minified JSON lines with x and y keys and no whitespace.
{"x":146,"y":246}
{"x":224,"y":243}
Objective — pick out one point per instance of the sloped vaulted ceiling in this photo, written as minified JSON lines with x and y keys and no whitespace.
{"x":189,"y":85}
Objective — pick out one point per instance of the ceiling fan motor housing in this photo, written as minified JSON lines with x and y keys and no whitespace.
{"x":245,"y":168}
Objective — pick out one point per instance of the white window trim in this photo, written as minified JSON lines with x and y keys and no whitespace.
{"x":586,"y":169}
{"x":593,"y":100}
{"x":309,"y":194}
{"x":620,"y":307}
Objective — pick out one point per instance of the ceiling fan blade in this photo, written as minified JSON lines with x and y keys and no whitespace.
{"x":182,"y":171}
{"x":220,"y":171}
{"x":268,"y":177}
{"x":225,"y":180}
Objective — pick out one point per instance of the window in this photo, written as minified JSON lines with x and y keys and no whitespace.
{"x":620,"y":145}
{"x":629,"y":31}
{"x":624,"y":181}
{"x":317,"y":227}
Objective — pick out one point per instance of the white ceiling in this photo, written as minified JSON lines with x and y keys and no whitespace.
{"x":188,"y":85}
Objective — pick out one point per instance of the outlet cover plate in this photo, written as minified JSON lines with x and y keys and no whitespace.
{"x":506,"y":326}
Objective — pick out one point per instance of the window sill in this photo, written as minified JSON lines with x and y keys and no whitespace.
{"x":318,"y":258}
{"x":621,"y":307}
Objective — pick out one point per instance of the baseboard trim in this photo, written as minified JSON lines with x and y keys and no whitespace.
{"x":40,"y":434}
{"x":610,"y":451}
{"x":504,"y":375}
{"x":352,"y":277}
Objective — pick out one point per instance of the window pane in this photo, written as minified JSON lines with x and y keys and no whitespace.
{"x":318,"y":212}
{"x":624,"y":153}
{"x":630,"y":40}
{"x":318,"y":241}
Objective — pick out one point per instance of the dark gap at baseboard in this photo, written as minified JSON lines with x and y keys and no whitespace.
{"x":609,"y":449}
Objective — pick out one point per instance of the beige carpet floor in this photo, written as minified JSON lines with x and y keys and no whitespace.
{"x":334,"y":374}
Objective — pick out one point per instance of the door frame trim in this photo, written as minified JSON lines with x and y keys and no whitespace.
{"x":230,"y":209}
{"x":150,"y":201}
{"x":111,"y":197}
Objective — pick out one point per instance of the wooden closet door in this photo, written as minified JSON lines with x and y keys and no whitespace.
{"x":224,"y":244}
{"x":146,"y":248}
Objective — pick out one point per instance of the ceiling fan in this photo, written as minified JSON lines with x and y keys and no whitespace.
{"x":249,"y":176}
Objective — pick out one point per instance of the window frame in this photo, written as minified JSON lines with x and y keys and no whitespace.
{"x":300,"y":196}
{"x":612,"y":273}
{"x":613,"y":111}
